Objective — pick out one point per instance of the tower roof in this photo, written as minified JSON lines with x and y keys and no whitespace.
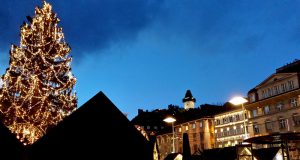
{"x":188,"y":96}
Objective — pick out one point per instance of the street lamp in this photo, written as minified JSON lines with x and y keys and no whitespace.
{"x":171,"y":120}
{"x":241,"y":101}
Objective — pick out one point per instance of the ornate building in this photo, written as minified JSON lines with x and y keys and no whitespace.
{"x":200,"y":132}
{"x":229,"y":128}
{"x":273,"y":106}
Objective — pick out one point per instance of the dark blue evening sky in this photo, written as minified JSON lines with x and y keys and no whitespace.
{"x":147,"y":53}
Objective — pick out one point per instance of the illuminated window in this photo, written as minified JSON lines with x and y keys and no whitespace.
{"x":216,"y":131}
{"x":294,"y":102}
{"x":179,"y":129}
{"x":201,"y":124}
{"x":194,"y":125}
{"x":187,"y":127}
{"x":155,"y":127}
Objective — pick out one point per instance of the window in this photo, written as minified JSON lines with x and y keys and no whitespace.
{"x":276,"y":89}
{"x":263,"y":94}
{"x":224,"y":120}
{"x":291,"y":85}
{"x":256,"y":129}
{"x":218,"y":121}
{"x":252,"y":97}
{"x":296,"y":119}
{"x":230,"y":119}
{"x":234,"y":130}
{"x":179,"y":129}
{"x":148,"y":127}
{"x":254,"y":113}
{"x":282,"y":123}
{"x":294,"y":102}
{"x":187,"y":127}
{"x":201,"y":124}
{"x":237,"y":117}
{"x":279,"y":106}
{"x":155,"y":127}
{"x":283,"y":87}
{"x":268,"y":126}
{"x":270,"y":93}
{"x":266,"y":109}
{"x":194,"y":125}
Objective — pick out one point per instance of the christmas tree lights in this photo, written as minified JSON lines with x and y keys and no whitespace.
{"x":37,"y":89}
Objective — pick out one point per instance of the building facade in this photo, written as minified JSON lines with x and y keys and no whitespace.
{"x":230,"y":128}
{"x":274,"y":108}
{"x":200,"y":133}
{"x":274,"y":105}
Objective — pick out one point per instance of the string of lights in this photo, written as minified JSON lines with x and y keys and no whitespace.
{"x":37,"y":89}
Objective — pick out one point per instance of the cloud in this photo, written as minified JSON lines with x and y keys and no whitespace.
{"x":88,"y":25}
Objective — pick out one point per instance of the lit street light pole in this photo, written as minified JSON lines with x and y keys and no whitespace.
{"x":171,"y":120}
{"x":241,"y":101}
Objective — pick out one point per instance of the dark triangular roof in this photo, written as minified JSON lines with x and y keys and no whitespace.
{"x":188,"y":97}
{"x":10,"y":146}
{"x":265,"y":153}
{"x":97,"y":129}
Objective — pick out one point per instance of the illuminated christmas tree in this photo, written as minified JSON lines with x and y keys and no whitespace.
{"x":37,"y":89}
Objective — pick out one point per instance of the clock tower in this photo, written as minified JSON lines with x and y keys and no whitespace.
{"x":188,"y":100}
